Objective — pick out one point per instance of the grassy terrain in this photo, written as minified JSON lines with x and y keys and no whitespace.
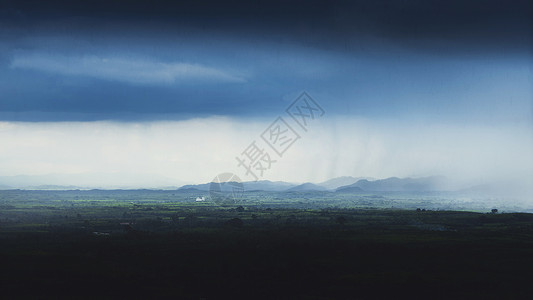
{"x":140,"y":244}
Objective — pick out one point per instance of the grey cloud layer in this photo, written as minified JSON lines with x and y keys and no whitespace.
{"x":126,"y":70}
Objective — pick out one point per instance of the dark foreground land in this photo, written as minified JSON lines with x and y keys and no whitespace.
{"x":101,"y":247}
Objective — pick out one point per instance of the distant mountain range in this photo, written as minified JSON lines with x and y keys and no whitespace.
{"x":355,"y":185}
{"x":340,"y":185}
{"x":344,"y":184}
{"x":261,"y":185}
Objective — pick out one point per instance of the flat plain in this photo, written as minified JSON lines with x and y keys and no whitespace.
{"x":144,"y":243}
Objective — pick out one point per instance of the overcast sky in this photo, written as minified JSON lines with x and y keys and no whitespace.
{"x":174,"y":92}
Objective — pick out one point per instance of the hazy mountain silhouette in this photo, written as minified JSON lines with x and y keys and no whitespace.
{"x":395,"y":184}
{"x":337,"y":182}
{"x":306,"y":187}
{"x":261,"y":185}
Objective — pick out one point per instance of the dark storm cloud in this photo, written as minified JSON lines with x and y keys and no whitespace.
{"x":140,"y":60}
{"x":455,"y":24}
